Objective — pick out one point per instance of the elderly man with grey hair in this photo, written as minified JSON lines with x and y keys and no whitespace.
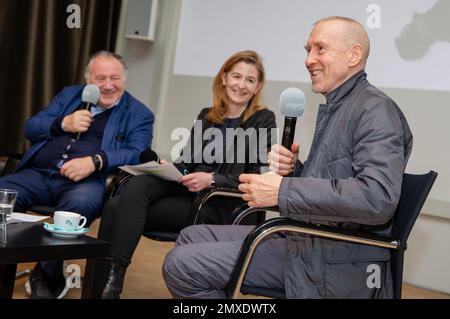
{"x":74,"y":148}
{"x":352,"y":178}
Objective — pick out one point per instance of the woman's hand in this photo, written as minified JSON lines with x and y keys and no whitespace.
{"x":195,"y":182}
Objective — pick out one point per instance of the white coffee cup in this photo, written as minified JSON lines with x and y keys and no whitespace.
{"x":68,"y":220}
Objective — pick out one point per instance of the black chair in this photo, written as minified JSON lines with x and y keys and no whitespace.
{"x":415,"y":189}
{"x":160,"y":235}
{"x":213,"y":192}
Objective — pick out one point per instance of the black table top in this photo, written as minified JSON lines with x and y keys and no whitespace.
{"x":31,"y":242}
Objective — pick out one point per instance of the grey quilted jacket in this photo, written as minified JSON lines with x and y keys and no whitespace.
{"x":351,"y":178}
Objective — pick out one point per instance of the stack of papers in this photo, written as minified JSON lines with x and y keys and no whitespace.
{"x":165,"y":171}
{"x":24,"y":218}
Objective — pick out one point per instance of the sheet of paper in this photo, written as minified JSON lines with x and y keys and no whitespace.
{"x":24,"y":218}
{"x":165,"y":171}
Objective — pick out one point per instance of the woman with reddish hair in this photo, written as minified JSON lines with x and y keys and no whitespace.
{"x":150,"y":203}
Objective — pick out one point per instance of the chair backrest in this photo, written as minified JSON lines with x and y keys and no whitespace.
{"x":415,"y":189}
{"x":9,"y":163}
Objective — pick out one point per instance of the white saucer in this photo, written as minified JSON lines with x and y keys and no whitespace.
{"x":64,"y":233}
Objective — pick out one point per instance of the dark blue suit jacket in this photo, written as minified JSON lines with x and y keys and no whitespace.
{"x":127,"y":133}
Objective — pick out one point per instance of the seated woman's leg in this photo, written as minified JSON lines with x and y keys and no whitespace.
{"x":130,"y":217}
{"x":107,"y":221}
{"x":134,"y":212}
{"x":200,"y":265}
{"x":170,"y":214}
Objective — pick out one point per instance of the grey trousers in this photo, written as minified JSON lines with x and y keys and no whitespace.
{"x":201,"y":263}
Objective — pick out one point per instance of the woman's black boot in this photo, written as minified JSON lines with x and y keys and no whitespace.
{"x":115,"y":275}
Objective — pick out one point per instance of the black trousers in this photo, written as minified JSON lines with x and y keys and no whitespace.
{"x":150,"y":203}
{"x":146,"y":202}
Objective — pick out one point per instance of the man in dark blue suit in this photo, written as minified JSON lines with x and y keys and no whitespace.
{"x":69,"y":173}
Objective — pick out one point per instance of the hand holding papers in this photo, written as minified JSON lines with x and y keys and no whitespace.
{"x":166,"y":171}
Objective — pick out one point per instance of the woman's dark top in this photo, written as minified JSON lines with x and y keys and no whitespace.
{"x":227,"y":171}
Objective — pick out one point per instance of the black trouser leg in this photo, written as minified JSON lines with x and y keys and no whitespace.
{"x":127,"y":217}
{"x":108,"y":217}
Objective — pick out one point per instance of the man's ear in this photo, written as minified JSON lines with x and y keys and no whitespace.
{"x":356,"y":55}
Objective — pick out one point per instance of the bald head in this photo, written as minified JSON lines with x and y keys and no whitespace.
{"x":349,"y":32}
{"x":337,"y":49}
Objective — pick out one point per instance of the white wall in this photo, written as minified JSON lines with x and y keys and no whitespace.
{"x":279,"y":30}
{"x":148,"y":61}
{"x":427,"y":261}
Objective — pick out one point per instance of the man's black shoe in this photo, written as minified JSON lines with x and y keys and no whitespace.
{"x":38,"y":286}
{"x":59,"y":286}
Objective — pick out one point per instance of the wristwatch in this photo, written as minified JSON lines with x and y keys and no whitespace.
{"x":97,"y":162}
{"x":213,"y":180}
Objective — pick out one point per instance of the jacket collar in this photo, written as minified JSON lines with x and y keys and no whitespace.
{"x":339,"y":93}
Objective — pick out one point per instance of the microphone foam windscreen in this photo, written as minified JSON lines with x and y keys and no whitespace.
{"x":91,"y":94}
{"x":147,"y":156}
{"x":292,"y":102}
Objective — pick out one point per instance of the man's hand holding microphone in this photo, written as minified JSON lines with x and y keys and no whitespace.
{"x":281,"y":160}
{"x":79,"y":122}
{"x":262,"y":190}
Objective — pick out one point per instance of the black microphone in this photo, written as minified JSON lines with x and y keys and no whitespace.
{"x":90,"y":95}
{"x":292,"y":105}
{"x":147,"y":156}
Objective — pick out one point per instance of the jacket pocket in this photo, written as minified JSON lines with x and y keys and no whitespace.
{"x":356,"y":271}
{"x":342,"y":252}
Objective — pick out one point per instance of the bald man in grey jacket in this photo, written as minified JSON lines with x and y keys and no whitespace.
{"x":352,"y":178}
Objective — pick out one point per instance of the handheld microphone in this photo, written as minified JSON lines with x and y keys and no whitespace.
{"x":147,"y":156}
{"x":292,"y":105}
{"x":90,"y":95}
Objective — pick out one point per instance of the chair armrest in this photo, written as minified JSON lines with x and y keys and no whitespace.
{"x":215,"y":191}
{"x":284,"y":224}
{"x":240,"y":213}
{"x":115,"y":180}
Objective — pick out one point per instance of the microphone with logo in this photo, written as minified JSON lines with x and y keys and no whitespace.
{"x":90,"y":96}
{"x":292,"y":105}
